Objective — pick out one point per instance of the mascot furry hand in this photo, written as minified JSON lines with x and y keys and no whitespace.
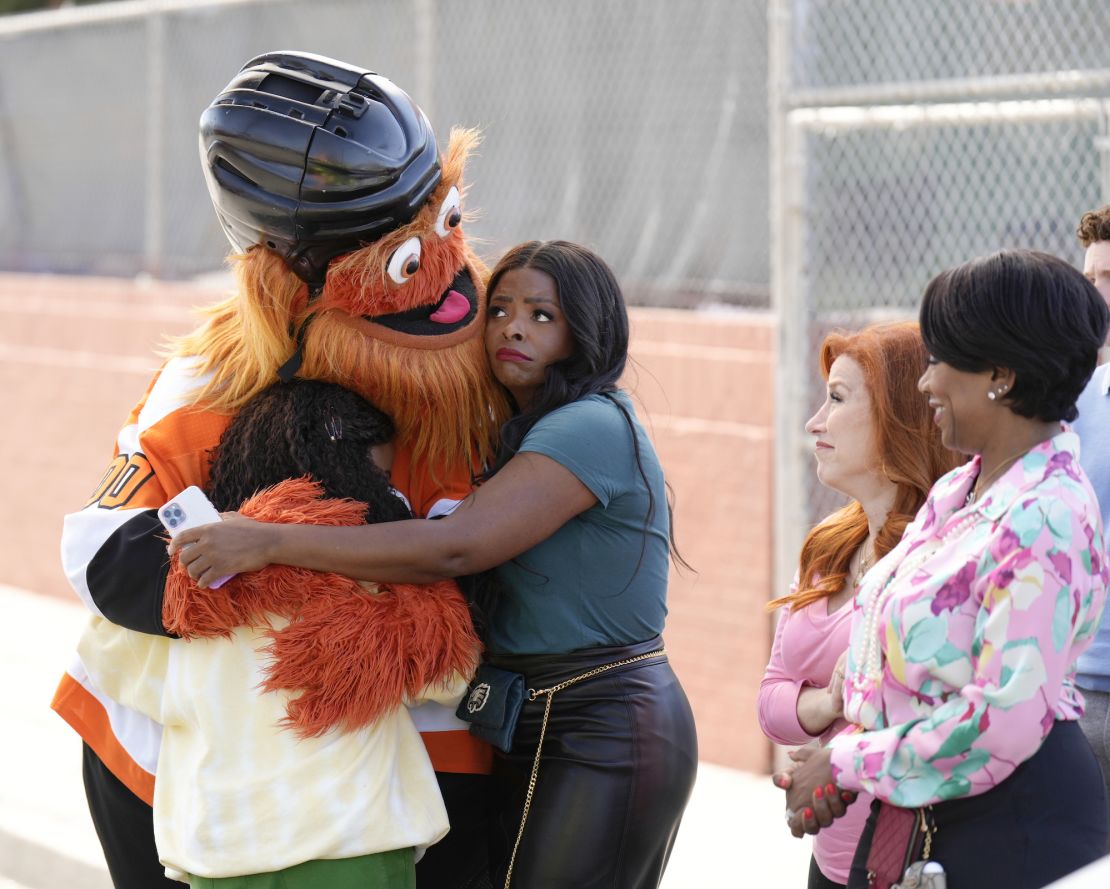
{"x":349,"y":652}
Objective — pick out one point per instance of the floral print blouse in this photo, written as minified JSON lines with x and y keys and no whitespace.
{"x":965,"y":635}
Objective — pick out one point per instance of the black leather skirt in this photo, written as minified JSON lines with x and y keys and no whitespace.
{"x":619,"y":759}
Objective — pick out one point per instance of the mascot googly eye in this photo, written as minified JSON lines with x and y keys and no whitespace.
{"x":450,"y":213}
{"x":405,"y":261}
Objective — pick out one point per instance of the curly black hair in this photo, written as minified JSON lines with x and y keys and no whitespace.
{"x":305,"y":427}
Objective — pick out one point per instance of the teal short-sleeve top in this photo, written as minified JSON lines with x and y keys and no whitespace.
{"x":601,"y":579}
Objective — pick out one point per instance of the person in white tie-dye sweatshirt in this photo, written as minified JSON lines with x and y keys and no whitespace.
{"x":288,"y":750}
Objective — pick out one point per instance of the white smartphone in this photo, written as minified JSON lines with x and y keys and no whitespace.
{"x":187,"y":510}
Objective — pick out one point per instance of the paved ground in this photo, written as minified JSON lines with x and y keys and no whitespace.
{"x":733,"y":835}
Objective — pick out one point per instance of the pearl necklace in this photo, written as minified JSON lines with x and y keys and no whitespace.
{"x":869,"y":660}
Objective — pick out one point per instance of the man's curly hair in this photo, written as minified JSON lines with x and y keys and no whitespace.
{"x":1094,"y":226}
{"x":306,"y":428}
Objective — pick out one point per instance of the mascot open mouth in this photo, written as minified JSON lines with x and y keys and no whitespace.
{"x":456,"y":308}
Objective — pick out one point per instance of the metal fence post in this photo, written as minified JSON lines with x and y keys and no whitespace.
{"x":787,"y":256}
{"x":787,"y":165}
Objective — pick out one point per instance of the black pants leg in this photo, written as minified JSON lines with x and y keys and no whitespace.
{"x":461,"y":859}
{"x":125,"y":826}
{"x":857,"y":876}
{"x":818,"y":880}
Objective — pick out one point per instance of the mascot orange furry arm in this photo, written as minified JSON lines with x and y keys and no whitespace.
{"x":348,"y":655}
{"x":351,"y":267}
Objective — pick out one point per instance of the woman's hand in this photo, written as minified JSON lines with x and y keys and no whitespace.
{"x":782,"y":780}
{"x":818,"y":708}
{"x":813,"y":800}
{"x":232,"y":546}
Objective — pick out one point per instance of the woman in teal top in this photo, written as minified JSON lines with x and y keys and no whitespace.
{"x":575,"y":521}
{"x":600,"y":579}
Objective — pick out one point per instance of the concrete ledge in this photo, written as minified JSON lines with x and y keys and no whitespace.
{"x":31,"y":866}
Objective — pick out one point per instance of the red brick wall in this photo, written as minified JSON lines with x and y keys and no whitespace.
{"x":75,"y":354}
{"x":706,"y":383}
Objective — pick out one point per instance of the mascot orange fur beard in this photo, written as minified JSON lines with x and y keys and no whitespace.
{"x":400,"y":322}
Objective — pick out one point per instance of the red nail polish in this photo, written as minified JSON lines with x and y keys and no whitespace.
{"x":808,"y":813}
{"x":830,"y":789}
{"x":846,"y":796}
{"x":818,"y":793}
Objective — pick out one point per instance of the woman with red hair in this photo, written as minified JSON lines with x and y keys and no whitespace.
{"x":876,"y":443}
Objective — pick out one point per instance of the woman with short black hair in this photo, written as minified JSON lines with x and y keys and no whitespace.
{"x":961,"y":669}
{"x":1027,"y":311}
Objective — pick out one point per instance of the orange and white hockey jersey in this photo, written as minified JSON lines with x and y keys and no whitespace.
{"x":114,"y":554}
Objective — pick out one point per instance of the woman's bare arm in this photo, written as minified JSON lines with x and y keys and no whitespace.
{"x":817,"y":710}
{"x":526,"y":502}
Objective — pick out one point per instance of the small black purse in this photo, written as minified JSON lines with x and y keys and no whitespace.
{"x":492,"y":705}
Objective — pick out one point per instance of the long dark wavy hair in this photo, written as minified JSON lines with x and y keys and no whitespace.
{"x":593,"y":305}
{"x":300,"y":428}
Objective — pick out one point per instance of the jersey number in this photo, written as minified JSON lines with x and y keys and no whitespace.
{"x":123,"y":479}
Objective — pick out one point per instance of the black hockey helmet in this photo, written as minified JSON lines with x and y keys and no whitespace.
{"x":313,"y":157}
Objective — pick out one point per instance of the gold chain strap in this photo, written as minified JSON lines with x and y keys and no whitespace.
{"x":549,"y":693}
{"x":928,"y":829}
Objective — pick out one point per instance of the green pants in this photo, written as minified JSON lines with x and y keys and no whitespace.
{"x":385,"y":870}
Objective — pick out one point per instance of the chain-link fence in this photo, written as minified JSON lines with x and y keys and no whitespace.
{"x":638,"y":127}
{"x":904,"y":137}
{"x":908,"y":137}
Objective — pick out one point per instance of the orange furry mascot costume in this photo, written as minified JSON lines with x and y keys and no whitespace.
{"x":352,"y":268}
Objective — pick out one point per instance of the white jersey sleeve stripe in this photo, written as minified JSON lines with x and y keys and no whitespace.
{"x":138,"y":734}
{"x":83,"y":533}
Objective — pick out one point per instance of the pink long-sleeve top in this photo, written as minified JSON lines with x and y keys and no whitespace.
{"x":808,"y":643}
{"x":966,"y":634}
